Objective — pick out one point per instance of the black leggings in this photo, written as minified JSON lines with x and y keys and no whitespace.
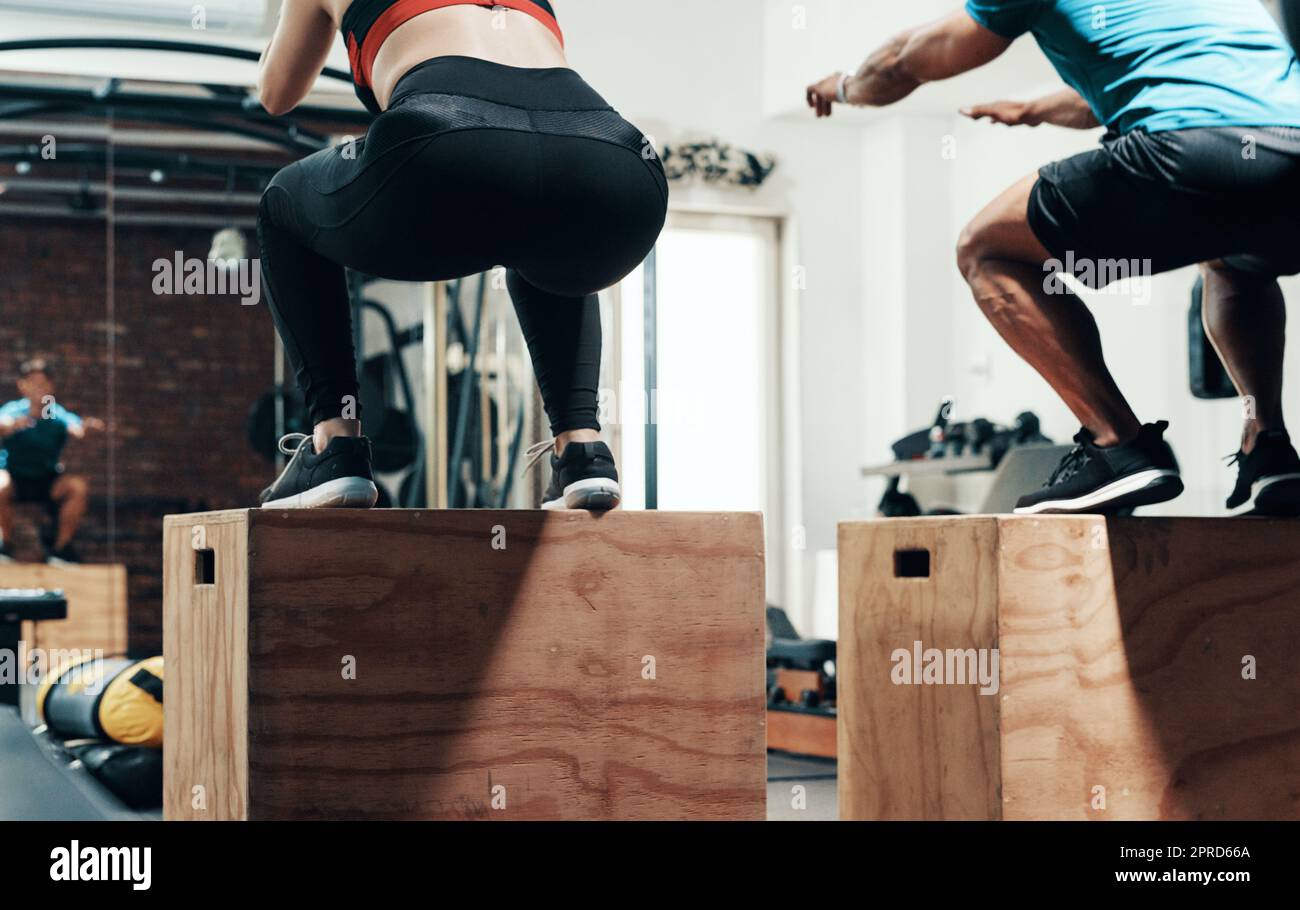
{"x":474,"y":165}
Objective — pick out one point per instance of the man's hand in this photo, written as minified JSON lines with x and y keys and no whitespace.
{"x":823,"y":95}
{"x":11,"y":425}
{"x":1064,"y":108}
{"x":87,"y":426}
{"x":1008,"y":113}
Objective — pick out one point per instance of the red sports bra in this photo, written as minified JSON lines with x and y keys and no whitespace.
{"x":368,"y":23}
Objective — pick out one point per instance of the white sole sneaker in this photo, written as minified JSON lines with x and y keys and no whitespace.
{"x":597,"y":494}
{"x":1279,"y":494}
{"x":343,"y":493}
{"x":1112,"y":494}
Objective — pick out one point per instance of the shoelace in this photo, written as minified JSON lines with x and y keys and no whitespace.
{"x":292,"y":448}
{"x":535,"y":452}
{"x":1069,"y":466}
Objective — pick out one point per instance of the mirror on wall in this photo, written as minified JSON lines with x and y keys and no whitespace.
{"x":55,"y":339}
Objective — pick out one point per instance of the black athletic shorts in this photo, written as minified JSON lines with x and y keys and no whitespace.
{"x":33,"y":489}
{"x":1176,"y":198}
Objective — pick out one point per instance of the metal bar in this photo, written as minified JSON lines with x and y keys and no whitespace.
{"x":110,"y":319}
{"x":21,"y":109}
{"x":435,"y":394}
{"x":515,"y":445}
{"x":953,"y":464}
{"x":614,"y":429}
{"x":440,"y":387}
{"x":137,"y":101}
{"x":131,"y":159}
{"x":399,"y":366}
{"x":141,"y":139}
{"x":201,"y":48}
{"x":127,"y":218}
{"x":651,"y":380}
{"x":466,"y":387}
{"x":279,"y":399}
{"x":430,"y":316}
{"x":503,"y":404}
{"x":140,"y":194}
{"x":294,"y":139}
{"x":788,"y":328}
{"x":485,"y":427}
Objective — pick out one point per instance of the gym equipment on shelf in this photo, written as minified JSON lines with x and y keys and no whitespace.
{"x":1069,"y":667}
{"x":408,"y":664}
{"x":800,"y":690}
{"x":956,"y":446}
{"x":953,"y":448}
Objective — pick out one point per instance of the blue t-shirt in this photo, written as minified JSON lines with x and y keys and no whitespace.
{"x":35,"y":451}
{"x":1162,"y":64}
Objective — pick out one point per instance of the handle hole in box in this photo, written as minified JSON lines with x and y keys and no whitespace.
{"x":205,"y":567}
{"x":911,"y":563}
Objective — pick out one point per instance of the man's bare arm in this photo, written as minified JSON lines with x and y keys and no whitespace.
{"x":12,"y":425}
{"x":1064,"y":108}
{"x":945,"y":48}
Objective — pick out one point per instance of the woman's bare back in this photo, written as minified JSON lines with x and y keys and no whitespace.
{"x":498,"y":34}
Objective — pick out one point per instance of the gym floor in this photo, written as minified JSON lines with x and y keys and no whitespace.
{"x":817,"y":801}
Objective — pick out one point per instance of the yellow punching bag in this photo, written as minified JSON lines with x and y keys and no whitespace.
{"x":114,"y":698}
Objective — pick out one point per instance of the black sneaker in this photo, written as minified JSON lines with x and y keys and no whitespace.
{"x":6,"y":554}
{"x":338,"y":478}
{"x":584,"y":477}
{"x":1093,"y":479}
{"x":1268,"y":479}
{"x":65,"y":556}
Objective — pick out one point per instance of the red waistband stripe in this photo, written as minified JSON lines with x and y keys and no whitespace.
{"x":362,"y":58}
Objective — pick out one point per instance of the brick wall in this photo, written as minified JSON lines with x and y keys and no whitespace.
{"x":186,"y":371}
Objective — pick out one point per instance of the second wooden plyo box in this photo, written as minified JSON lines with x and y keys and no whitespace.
{"x":1146,"y":668}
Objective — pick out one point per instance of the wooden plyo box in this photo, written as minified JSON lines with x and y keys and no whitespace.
{"x":398,"y":664}
{"x":96,"y":597}
{"x":1147,"y":668}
